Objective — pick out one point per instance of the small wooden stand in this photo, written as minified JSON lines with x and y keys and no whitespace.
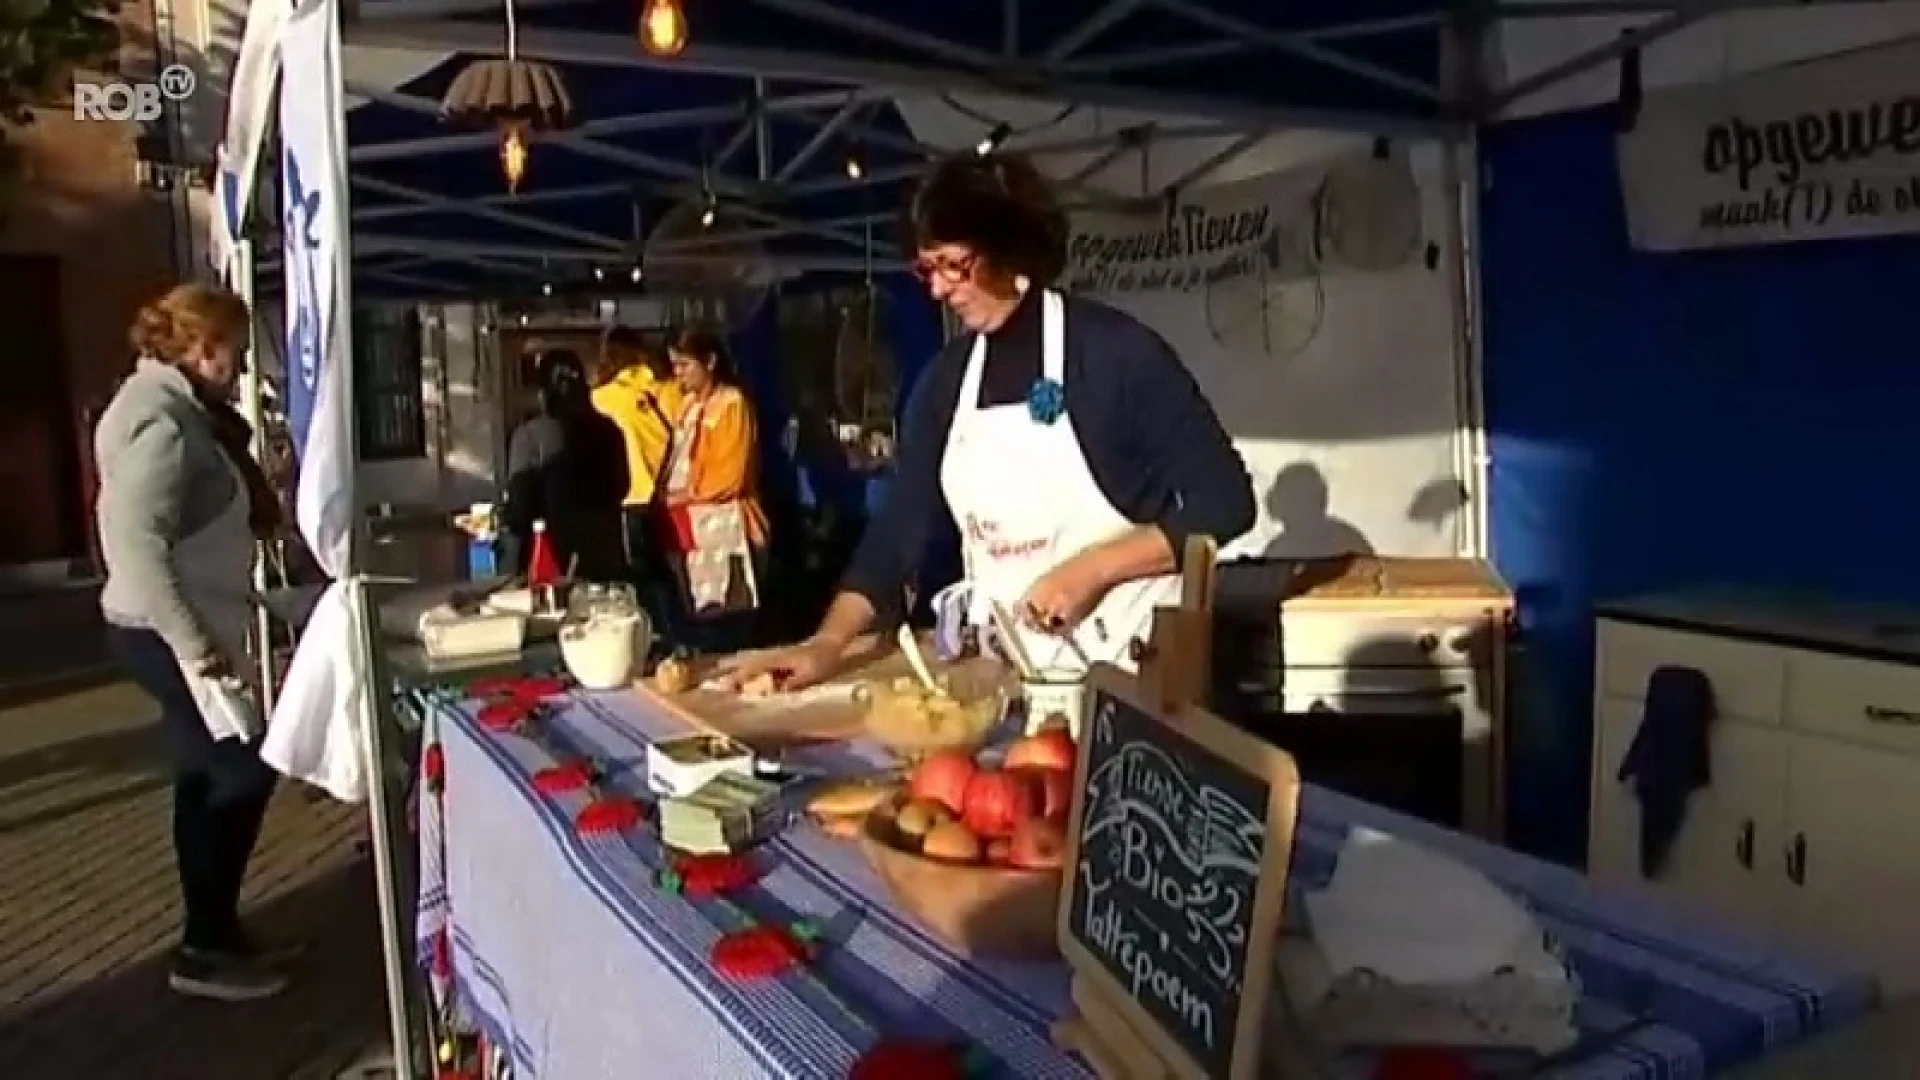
{"x":1110,"y":1031}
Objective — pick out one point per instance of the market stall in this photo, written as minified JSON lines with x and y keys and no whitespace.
{"x":1658,"y":995}
{"x":569,"y":946}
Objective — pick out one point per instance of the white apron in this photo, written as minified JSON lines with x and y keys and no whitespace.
{"x":215,"y":566}
{"x":1025,"y":502}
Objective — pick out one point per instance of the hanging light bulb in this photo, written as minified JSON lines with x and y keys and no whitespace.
{"x":546,"y":288}
{"x":1000,"y":133}
{"x":709,"y":211}
{"x":599,"y":273}
{"x":663,"y":27}
{"x":854,"y":169}
{"x":513,"y":153}
{"x":634,"y":275}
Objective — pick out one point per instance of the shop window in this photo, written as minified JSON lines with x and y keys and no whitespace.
{"x":389,"y":398}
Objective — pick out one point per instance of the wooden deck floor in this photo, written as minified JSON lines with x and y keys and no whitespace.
{"x":88,"y":910}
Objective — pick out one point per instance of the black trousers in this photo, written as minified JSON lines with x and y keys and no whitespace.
{"x":652,"y":574}
{"x":220,"y":795}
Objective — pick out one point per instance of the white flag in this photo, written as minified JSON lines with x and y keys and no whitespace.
{"x":318,"y":730}
{"x":318,"y":378}
{"x":249,"y":102}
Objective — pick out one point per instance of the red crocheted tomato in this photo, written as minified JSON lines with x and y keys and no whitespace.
{"x":433,"y":766}
{"x":905,"y":1059}
{"x":1423,"y":1063}
{"x":539,"y":688}
{"x":759,"y":953}
{"x":714,"y":875}
{"x":609,"y":815}
{"x":442,"y":954}
{"x":560,"y":779}
{"x":505,"y":714}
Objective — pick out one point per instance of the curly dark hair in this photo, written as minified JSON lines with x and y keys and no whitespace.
{"x":999,"y":205}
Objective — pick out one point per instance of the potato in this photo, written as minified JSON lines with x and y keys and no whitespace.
{"x":919,"y":817}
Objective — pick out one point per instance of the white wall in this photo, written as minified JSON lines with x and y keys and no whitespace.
{"x":1369,"y":402}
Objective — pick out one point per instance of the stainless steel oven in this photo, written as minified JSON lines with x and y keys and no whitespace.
{"x":1396,"y":709}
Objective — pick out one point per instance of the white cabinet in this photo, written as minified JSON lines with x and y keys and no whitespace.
{"x":1805,"y":832}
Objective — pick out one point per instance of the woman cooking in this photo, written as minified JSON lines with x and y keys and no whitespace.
{"x":1065,"y":439}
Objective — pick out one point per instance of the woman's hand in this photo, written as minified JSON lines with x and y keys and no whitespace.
{"x":1064,"y":596}
{"x":793,"y":667}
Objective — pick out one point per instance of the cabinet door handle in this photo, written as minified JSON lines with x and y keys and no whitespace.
{"x":1880,"y":714}
{"x":1797,"y":859}
{"x":1743,"y":847}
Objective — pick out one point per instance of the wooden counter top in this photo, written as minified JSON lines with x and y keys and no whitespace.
{"x":826,"y":714}
{"x":1364,"y":581}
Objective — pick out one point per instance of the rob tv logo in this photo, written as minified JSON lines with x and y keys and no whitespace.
{"x":141,"y":101}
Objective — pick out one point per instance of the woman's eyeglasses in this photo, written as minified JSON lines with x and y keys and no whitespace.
{"x":951,"y":271}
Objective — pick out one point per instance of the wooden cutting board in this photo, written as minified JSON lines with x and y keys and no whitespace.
{"x":826,"y":713}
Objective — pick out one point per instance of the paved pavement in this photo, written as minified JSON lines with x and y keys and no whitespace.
{"x":88,"y":902}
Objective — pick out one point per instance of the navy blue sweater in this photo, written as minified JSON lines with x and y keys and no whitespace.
{"x":1151,"y":439}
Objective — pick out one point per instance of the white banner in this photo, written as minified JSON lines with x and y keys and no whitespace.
{"x":320,"y":720}
{"x":1317,"y":319}
{"x":1828,"y":148}
{"x":249,"y":102}
{"x":1361,"y":211}
{"x":313,"y":196}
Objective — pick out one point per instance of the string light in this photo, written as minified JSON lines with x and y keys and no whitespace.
{"x":709,"y":211}
{"x":854,"y":169}
{"x":663,"y":27}
{"x":513,"y":154}
{"x":634,"y":275}
{"x":599,"y":273}
{"x":546,"y":288}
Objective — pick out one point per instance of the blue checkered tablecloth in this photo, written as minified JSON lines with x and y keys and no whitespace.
{"x":563,"y":949}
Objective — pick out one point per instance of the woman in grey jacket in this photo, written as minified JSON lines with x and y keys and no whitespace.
{"x":179,"y":504}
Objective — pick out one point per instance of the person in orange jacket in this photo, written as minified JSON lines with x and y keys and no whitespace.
{"x":718,"y":534}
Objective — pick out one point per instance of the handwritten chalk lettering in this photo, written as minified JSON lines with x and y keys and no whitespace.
{"x":1787,"y":147}
{"x":1147,"y":979}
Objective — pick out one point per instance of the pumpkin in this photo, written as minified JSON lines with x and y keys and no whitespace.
{"x":997,"y":802}
{"x":943,"y":777}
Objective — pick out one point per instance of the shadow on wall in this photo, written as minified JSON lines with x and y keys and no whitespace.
{"x":1299,"y":500}
{"x":1658,"y":421}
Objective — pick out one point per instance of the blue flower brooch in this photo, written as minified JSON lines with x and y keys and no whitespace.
{"x":1046,"y":401}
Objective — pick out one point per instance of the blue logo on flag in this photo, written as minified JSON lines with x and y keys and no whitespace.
{"x":302,"y":250}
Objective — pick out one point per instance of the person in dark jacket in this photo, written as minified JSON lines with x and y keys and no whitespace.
{"x":567,"y":466}
{"x":1066,"y":441}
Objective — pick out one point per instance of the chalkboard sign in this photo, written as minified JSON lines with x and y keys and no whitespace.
{"x":1180,"y":840}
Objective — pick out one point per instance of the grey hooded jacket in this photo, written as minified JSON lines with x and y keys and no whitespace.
{"x":163,"y":477}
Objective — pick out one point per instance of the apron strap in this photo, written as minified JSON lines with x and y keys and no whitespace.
{"x":1053,"y":337}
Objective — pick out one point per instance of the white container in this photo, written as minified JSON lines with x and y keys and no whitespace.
{"x":604,"y":653}
{"x":1049,"y":698}
{"x":676,"y":768}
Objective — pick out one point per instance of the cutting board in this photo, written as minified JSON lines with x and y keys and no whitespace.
{"x":825,"y":713}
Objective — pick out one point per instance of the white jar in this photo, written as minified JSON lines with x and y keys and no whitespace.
{"x":603,"y":653}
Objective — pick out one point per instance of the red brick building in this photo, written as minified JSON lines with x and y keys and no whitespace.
{"x":82,"y":245}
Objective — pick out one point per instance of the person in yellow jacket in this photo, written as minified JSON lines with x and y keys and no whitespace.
{"x":637,"y":391}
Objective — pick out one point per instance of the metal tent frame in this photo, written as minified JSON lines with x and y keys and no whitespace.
{"x":767,"y":90}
